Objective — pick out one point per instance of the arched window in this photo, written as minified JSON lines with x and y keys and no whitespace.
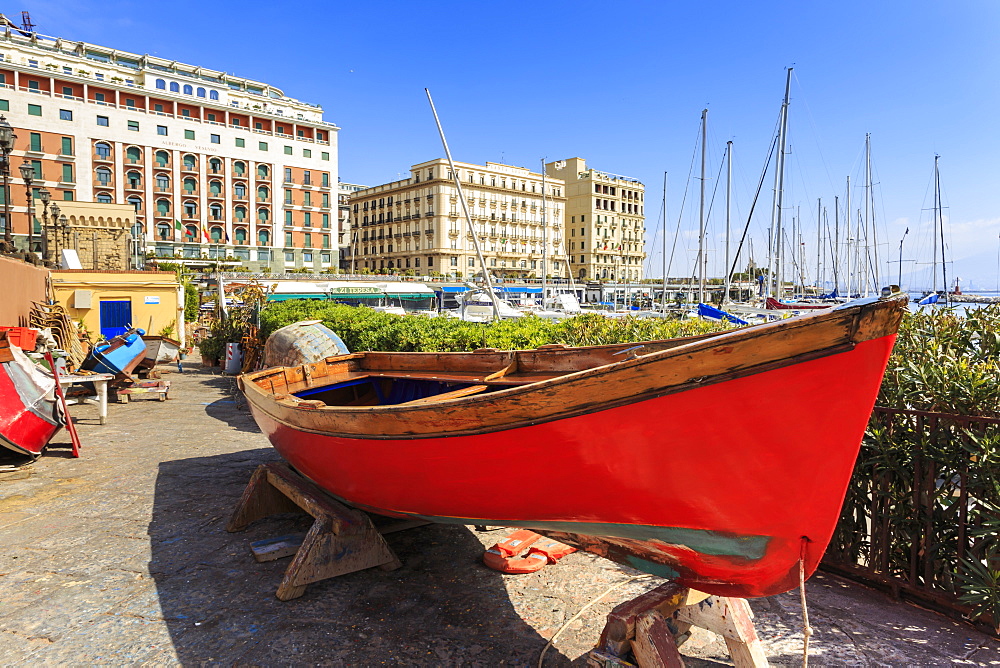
{"x":241,"y":235}
{"x":216,"y":234}
{"x":187,"y":89}
{"x":162,"y":159}
{"x":240,"y":213}
{"x":190,"y":209}
{"x":104,"y":198}
{"x":103,"y":150}
{"x":134,"y":179}
{"x":190,"y":162}
{"x":104,"y":176}
{"x":213,"y":95}
{"x":263,"y":171}
{"x":162,"y":182}
{"x":201,"y":92}
{"x":263,"y":215}
{"x":263,"y":237}
{"x":163,"y":231}
{"x":175,"y":87}
{"x":163,"y":207}
{"x":263,"y":193}
{"x":215,"y":187}
{"x":190,"y":185}
{"x":240,"y":191}
{"x":136,"y":203}
{"x":133,"y":154}
{"x":215,"y":210}
{"x":161,"y":84}
{"x":215,"y":165}
{"x":239,"y":168}
{"x":191,"y":233}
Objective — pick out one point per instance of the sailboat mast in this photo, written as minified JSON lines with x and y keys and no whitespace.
{"x":779,"y":187}
{"x":940,"y":226}
{"x":545,"y":238}
{"x":701,"y":212}
{"x":465,"y":209}
{"x":729,"y":199}
{"x":851,"y":268}
{"x":819,"y":239}
{"x":663,"y":297}
{"x":836,"y":243}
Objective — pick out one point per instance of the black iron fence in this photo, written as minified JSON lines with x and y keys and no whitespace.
{"x":921,"y":518}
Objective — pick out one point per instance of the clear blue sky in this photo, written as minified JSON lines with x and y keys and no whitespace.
{"x":622,"y":84}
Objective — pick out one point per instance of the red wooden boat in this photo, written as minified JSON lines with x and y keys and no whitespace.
{"x":681,"y":457}
{"x":28,"y":415}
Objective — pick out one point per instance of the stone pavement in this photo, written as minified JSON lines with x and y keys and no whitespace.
{"x":121,"y":557}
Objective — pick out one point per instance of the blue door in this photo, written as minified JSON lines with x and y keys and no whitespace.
{"x":116,"y":316}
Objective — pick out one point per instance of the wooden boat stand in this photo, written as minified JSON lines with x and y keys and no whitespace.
{"x":647,"y":630}
{"x":341,"y":540}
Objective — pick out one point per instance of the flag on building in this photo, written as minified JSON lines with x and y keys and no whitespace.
{"x":177,"y":228}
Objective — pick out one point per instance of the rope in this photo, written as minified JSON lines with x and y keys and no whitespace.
{"x":555,"y":636}
{"x":806,"y":629}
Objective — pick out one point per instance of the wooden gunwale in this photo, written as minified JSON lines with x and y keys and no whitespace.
{"x":692,"y":364}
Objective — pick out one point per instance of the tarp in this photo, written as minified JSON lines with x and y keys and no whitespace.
{"x":929,"y":299}
{"x":706,"y":311}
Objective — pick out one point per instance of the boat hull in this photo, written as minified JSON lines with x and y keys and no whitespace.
{"x":713,"y":472}
{"x":27,"y":408}
{"x":687,"y":460}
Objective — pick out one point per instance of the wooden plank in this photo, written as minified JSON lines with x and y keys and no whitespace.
{"x":654,"y":645}
{"x":271,"y":549}
{"x":620,"y":626}
{"x":731,"y":618}
{"x":259,"y":499}
{"x":454,"y":394}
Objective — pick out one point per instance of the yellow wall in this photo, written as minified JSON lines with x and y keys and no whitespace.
{"x":139,"y":287}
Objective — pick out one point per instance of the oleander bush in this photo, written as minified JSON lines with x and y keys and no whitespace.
{"x":923,"y":506}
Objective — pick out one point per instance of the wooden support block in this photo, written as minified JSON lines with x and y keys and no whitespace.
{"x":654,"y":645}
{"x":341,"y":540}
{"x":732,"y":619}
{"x":649,"y":629}
{"x":271,"y":549}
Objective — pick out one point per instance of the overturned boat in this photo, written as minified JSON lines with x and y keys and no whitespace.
{"x":29,"y":416}
{"x":677,"y":457}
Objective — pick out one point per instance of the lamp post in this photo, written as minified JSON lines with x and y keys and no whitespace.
{"x":45,"y":196}
{"x":53,"y":212}
{"x":7,"y":139}
{"x":28,"y":174}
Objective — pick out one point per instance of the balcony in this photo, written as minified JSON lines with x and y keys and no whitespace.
{"x":133,"y":185}
{"x":215,"y":195}
{"x":100,"y":157}
{"x":162,"y":189}
{"x":191,"y":168}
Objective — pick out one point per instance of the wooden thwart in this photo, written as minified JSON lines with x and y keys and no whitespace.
{"x":341,"y":540}
{"x":647,"y":630}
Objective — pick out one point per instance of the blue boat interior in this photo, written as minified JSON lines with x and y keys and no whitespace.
{"x":380,"y":391}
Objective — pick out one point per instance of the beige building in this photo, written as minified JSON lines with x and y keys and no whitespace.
{"x":417,"y":224}
{"x":108,"y":301}
{"x":605,"y":220}
{"x":344,"y":193}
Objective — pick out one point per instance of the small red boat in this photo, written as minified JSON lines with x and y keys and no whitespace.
{"x":678,"y":457}
{"x":28,"y":414}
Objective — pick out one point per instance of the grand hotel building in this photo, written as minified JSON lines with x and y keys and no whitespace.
{"x":417,"y":224}
{"x":215,"y":165}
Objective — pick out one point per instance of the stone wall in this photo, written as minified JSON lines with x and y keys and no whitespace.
{"x":100,"y":234}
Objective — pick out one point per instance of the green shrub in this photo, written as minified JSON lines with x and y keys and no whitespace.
{"x":367,"y":329}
